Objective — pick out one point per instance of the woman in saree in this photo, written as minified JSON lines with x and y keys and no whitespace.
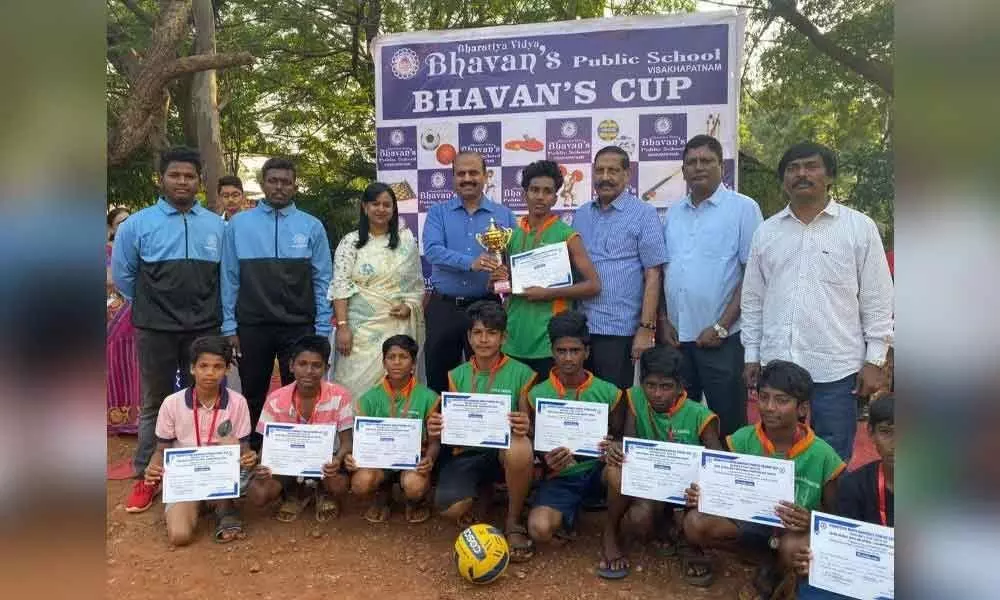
{"x":377,"y":290}
{"x":123,"y":368}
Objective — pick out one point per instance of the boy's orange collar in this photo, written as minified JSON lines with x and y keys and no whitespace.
{"x":804,"y":435}
{"x":561,"y":389}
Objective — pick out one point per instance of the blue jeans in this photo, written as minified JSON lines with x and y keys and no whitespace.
{"x":834,"y":414}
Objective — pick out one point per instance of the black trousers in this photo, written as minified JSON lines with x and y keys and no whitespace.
{"x":161,"y":355}
{"x":541,"y":366}
{"x":260,"y":345}
{"x":718,"y":372}
{"x":611,"y":359}
{"x":447,"y":337}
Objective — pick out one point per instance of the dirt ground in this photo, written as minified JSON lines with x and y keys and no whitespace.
{"x":353,"y":559}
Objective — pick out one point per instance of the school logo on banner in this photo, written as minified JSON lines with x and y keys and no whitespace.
{"x":568,"y":140}
{"x":396,"y":147}
{"x":433,"y":186}
{"x":483,"y":139}
{"x":662,"y":137}
{"x":405,"y":63}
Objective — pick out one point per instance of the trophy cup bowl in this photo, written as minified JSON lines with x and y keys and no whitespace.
{"x":495,"y":240}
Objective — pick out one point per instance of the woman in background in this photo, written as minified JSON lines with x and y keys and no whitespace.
{"x":123,"y":368}
{"x":377,"y":290}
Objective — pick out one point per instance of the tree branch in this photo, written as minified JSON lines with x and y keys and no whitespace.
{"x":873,"y":71}
{"x":204,"y":62}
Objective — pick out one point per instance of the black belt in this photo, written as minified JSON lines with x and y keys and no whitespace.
{"x":463,"y":301}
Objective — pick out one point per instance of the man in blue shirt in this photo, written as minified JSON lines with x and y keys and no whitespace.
{"x":460,"y":268}
{"x":623,"y":237}
{"x":708,"y":237}
{"x":166,"y":261}
{"x":276,"y":271}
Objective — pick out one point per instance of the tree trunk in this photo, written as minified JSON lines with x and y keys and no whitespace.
{"x":205,"y":100}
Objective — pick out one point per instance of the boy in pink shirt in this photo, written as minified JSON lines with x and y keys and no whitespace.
{"x":205,"y":414}
{"x":309,"y":399}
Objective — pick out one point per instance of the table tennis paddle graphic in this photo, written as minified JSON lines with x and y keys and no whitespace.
{"x":649,"y":194}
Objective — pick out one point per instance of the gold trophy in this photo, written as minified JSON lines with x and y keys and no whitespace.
{"x":495,"y":240}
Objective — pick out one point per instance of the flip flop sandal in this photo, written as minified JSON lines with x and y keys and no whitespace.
{"x":609,"y":573}
{"x":228,"y":523}
{"x":291,"y":508}
{"x":378,"y":512}
{"x":697,"y":568}
{"x":417,"y":512}
{"x":524,"y":551}
{"x":326,"y":507}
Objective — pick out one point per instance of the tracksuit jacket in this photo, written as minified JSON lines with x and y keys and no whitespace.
{"x":276,"y":270}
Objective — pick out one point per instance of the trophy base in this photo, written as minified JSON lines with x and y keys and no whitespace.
{"x":501,"y":288}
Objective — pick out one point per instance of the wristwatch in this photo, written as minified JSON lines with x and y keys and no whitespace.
{"x":722,"y":331}
{"x":650,"y":325}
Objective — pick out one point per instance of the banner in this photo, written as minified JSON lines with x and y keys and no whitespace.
{"x":556,"y":91}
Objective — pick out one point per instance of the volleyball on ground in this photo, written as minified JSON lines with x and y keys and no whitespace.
{"x":481,"y":553}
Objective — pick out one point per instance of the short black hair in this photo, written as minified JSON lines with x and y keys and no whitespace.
{"x":277,"y":163}
{"x":114,"y":212}
{"x":482,"y":160}
{"x":403,"y":342}
{"x":807,"y":149}
{"x":312,"y":343}
{"x":700,"y":141}
{"x":571,"y":324}
{"x":232,"y":180}
{"x":882,"y":410}
{"x":211,"y":344}
{"x":489,"y":313}
{"x":181,"y":154}
{"x":617,"y":151}
{"x":787,"y":377}
{"x":665,"y":361}
{"x":541,"y":168}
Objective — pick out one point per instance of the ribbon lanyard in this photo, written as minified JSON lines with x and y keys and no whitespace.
{"x":493,"y":374}
{"x":297,"y":402}
{"x":407,"y":393}
{"x":197,"y":423}
{"x":882,"y":501}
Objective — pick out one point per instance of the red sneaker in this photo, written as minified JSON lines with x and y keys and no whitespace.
{"x":141,"y":497}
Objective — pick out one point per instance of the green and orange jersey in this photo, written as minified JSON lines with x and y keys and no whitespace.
{"x":816,"y":462}
{"x":527,"y":322}
{"x":591,"y":390}
{"x":683,"y":423}
{"x":508,"y":377}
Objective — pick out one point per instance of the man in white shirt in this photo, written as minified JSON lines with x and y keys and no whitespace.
{"x":817,"y":292}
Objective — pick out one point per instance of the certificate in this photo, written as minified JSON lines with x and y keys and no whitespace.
{"x":744,"y":487}
{"x":579,"y":426}
{"x":204,"y":473}
{"x":299,"y":450}
{"x":546,"y":267}
{"x":475,"y":420}
{"x":659,"y":470}
{"x":851,"y":557}
{"x":387,"y":443}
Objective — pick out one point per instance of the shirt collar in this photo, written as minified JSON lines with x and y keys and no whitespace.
{"x":484,"y":203}
{"x":169,"y":208}
{"x":223,"y":398}
{"x":560,"y":388}
{"x":267,"y":208}
{"x":806,"y":436}
{"x":714,"y":199}
{"x":618,"y":203}
{"x":831,"y":208}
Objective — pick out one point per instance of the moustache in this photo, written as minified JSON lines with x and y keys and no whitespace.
{"x":605,"y":184}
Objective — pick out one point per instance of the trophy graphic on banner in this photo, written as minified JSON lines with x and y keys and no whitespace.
{"x":495,"y":240}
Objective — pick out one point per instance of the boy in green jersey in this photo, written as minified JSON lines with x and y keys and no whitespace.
{"x":570,"y":479}
{"x":398,"y":396}
{"x":658,"y":409}
{"x":784,"y":390}
{"x":465,"y":472}
{"x":529,"y":311}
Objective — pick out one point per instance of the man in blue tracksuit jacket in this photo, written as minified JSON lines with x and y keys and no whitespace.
{"x":276,"y":270}
{"x":166,"y":261}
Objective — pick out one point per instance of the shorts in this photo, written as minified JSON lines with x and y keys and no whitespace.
{"x":567,"y":494}
{"x":754,"y":535}
{"x":461,"y":475}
